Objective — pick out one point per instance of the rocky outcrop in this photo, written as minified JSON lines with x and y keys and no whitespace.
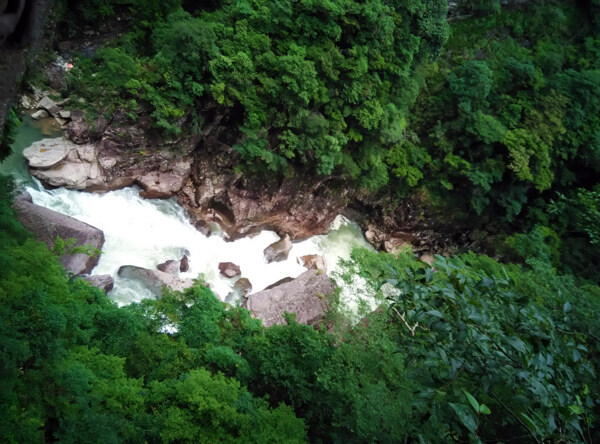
{"x":59,"y":162}
{"x":154,"y":280}
{"x":313,"y":262}
{"x":104,"y":282}
{"x":306,"y":296}
{"x":229,"y":269}
{"x":48,"y":224}
{"x":278,"y":251}
{"x":171,"y":266}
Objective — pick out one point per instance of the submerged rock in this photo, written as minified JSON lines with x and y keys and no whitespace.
{"x":229,"y":269}
{"x":48,"y":224}
{"x":104,"y":282}
{"x":278,"y":251}
{"x":154,"y":280}
{"x":305,"y":296}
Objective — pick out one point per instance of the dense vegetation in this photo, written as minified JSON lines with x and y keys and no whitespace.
{"x":495,"y":116}
{"x":471,"y":350}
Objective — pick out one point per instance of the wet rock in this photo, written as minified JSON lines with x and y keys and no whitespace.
{"x":312,"y":262}
{"x":104,"y":282}
{"x":154,"y":280}
{"x":243,"y":285}
{"x":229,"y":269}
{"x":184,"y":264}
{"x":305,"y":296}
{"x":171,"y":266}
{"x":48,"y":224}
{"x":278,"y":251}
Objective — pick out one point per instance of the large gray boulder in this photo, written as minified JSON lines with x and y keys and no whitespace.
{"x":154,"y":280}
{"x":305,"y":296}
{"x":59,"y":162}
{"x":47,"y":224}
{"x":278,"y":251}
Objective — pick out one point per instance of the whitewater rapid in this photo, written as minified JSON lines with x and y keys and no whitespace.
{"x":146,"y":232}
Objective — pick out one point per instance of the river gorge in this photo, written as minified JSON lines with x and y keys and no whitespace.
{"x":146,"y":232}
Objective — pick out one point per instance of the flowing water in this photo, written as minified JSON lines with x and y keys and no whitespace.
{"x":146,"y":232}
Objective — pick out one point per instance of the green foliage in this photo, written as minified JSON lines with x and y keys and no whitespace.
{"x":9,"y":131}
{"x":325,"y":85}
{"x":475,"y":333}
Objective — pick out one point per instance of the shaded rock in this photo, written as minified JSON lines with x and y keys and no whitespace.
{"x":156,"y":185}
{"x":279,"y":282}
{"x":46,"y":153}
{"x":244,"y":285}
{"x":154,"y":280}
{"x":278,"y":251}
{"x":24,"y":196}
{"x":305,"y":296}
{"x":427,"y":258}
{"x":184,"y":264}
{"x":48,"y":224}
{"x":229,"y":269}
{"x":104,"y":282}
{"x":171,"y":266}
{"x":313,"y":262}
{"x":49,"y":105}
{"x":40,"y":114}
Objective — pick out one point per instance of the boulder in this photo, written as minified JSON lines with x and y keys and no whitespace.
{"x":40,"y":114}
{"x":47,"y":224}
{"x":184,"y":264}
{"x":49,"y":105}
{"x":279,"y":282}
{"x":243,"y":285}
{"x":104,"y":282}
{"x":64,"y":115}
{"x":171,"y":266}
{"x":61,"y":163}
{"x":46,"y":153}
{"x":278,"y":251}
{"x":156,"y":185}
{"x":154,"y":280}
{"x":313,"y":262}
{"x":305,"y":296}
{"x":229,"y":269}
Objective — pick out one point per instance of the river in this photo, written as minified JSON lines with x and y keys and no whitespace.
{"x":146,"y":232}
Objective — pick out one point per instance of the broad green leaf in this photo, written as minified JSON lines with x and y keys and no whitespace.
{"x":472,"y":400}
{"x":466,"y":416}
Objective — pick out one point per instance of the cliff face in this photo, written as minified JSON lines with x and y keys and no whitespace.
{"x":21,"y":41}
